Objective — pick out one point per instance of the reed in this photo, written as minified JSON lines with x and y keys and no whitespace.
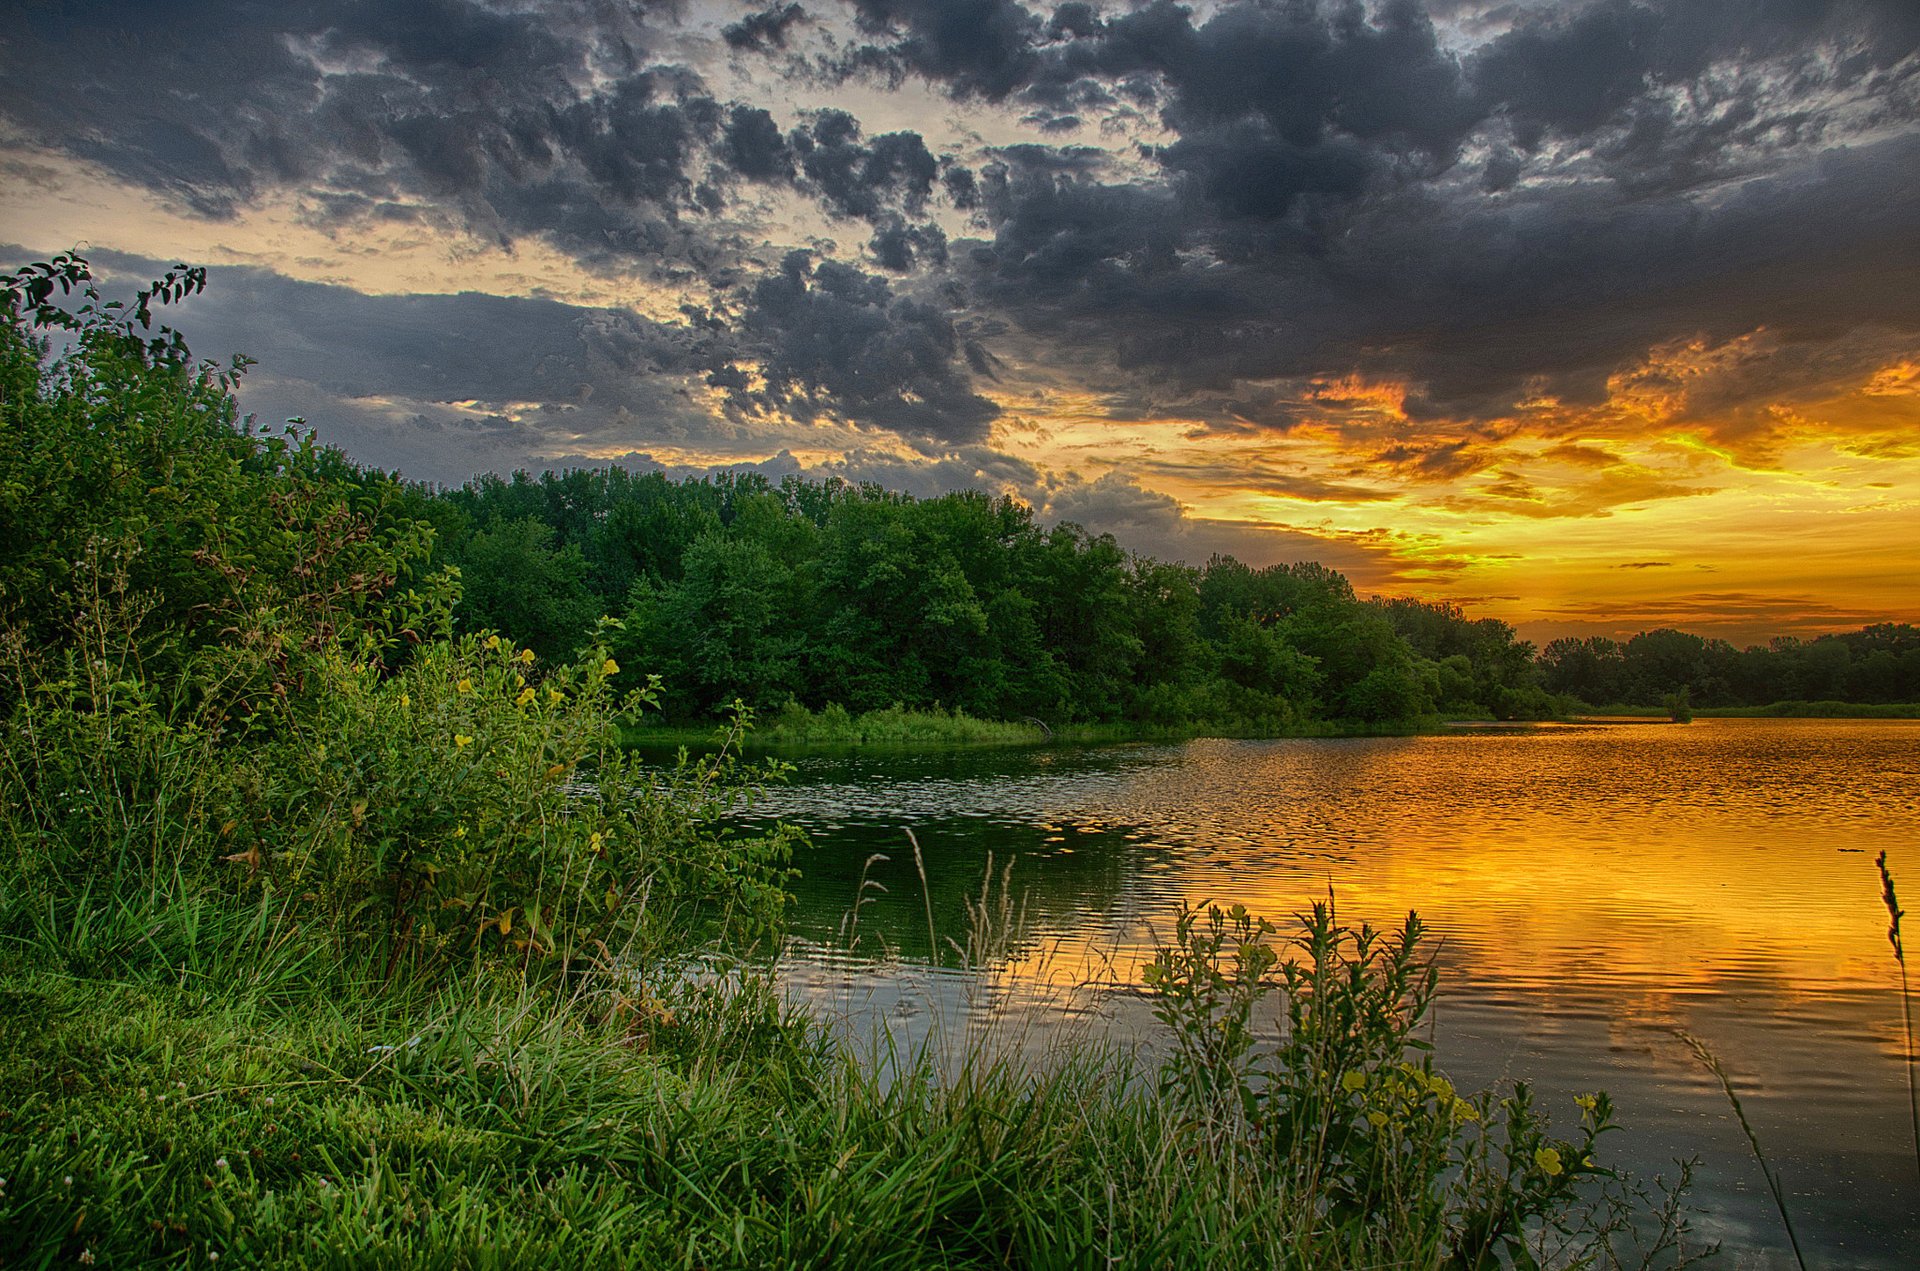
{"x":1712,"y":1063}
{"x":1894,"y":915}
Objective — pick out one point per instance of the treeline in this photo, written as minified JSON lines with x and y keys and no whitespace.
{"x":1877,"y":664}
{"x":826,"y":593}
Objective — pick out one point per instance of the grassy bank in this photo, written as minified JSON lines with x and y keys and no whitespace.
{"x":188,"y":1083}
{"x":833,"y":727}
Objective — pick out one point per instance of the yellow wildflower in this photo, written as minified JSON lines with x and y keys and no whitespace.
{"x":610,"y":667}
{"x":1548,"y":1159}
{"x":554,"y":695}
{"x":526,"y":695}
{"x":493,"y":642}
{"x":1377,"y":1119}
{"x":460,"y":832}
{"x":461,"y":741}
{"x":526,"y":655}
{"x":465,"y":685}
{"x":1585,"y":1102}
{"x":1354,"y":1081}
{"x":406,"y":700}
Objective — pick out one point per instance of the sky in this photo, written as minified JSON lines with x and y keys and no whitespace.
{"x":1594,"y":317}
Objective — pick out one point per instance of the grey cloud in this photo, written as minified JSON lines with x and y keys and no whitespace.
{"x":860,"y":180}
{"x":1477,"y":303}
{"x":766,"y":29}
{"x":835,"y":342}
{"x":897,"y":246}
{"x":980,"y":48}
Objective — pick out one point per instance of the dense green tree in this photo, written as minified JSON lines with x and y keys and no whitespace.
{"x":516,"y":581}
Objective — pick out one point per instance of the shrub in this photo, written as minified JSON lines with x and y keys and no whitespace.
{"x":1346,"y":1107}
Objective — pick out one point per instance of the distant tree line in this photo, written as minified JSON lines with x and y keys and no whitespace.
{"x":823,"y":592}
{"x":1876,"y":664}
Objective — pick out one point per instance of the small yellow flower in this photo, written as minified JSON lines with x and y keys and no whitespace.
{"x":493,"y":642}
{"x":1585,"y":1102}
{"x":526,"y":695}
{"x":526,"y":655}
{"x":406,"y":700}
{"x":554,"y":695}
{"x":1464,"y":1111}
{"x":1377,"y":1119}
{"x":461,"y":741}
{"x":465,"y":685}
{"x":610,"y":667}
{"x":460,"y":831}
{"x":593,"y":840}
{"x":1354,"y":1081}
{"x":1548,"y":1159}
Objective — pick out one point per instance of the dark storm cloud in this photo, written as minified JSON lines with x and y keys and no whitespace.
{"x":447,"y":385}
{"x":765,"y":29}
{"x":838,"y":343}
{"x":1483,"y":202}
{"x":897,"y":246}
{"x":859,"y":179}
{"x":981,"y":48}
{"x":560,"y":120}
{"x":1478,"y":302}
{"x":1702,"y":167}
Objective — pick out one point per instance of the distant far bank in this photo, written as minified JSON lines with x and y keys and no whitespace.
{"x":836,"y":728}
{"x":1777,"y":710}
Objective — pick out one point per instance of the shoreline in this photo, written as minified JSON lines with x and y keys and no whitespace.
{"x":932,"y":730}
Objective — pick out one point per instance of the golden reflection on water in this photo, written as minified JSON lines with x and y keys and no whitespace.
{"x":1592,"y":888}
{"x":1656,"y":859}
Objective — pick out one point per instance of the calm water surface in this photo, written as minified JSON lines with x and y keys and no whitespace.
{"x":1593,"y":888}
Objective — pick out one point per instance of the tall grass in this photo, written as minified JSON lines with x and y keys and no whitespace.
{"x":183,"y":1081}
{"x":1891,"y":900}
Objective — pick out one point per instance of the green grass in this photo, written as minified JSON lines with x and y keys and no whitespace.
{"x":833,"y":727}
{"x":180,"y":1081}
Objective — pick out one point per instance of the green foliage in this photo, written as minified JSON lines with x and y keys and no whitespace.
{"x":824,"y":594}
{"x":1347,"y":1105}
{"x":1876,"y":665}
{"x":214,"y":673}
{"x":515,"y":581}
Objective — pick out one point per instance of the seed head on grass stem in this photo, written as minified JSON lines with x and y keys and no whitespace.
{"x":1894,"y":915}
{"x":1713,"y":1065}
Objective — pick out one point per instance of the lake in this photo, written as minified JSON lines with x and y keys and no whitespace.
{"x":1593,"y":888}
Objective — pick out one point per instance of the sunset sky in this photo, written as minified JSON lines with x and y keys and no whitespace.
{"x":1591,"y":316}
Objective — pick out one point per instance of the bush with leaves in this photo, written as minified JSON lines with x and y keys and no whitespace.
{"x":223,"y":663}
{"x":478,"y":805}
{"x":1346,"y":1105}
